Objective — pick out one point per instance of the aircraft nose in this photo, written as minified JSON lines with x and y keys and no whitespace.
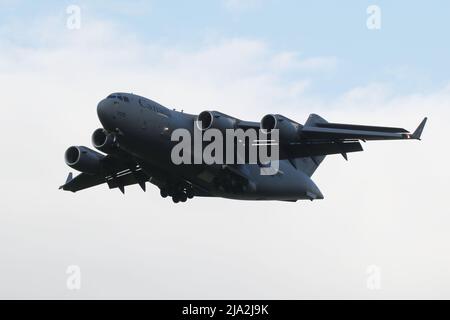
{"x":101,"y":109}
{"x":104,"y":113}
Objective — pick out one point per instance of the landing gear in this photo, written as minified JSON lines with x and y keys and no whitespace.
{"x":179,"y":197}
{"x":230,"y":183}
{"x":179,"y":193}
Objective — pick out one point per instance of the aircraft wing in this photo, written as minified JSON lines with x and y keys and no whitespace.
{"x":346,"y":132}
{"x":248,"y":125}
{"x":320,"y":138}
{"x":115,"y":173}
{"x":118,"y":173}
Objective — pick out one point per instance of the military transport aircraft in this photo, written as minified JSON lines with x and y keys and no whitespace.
{"x":136,"y":145}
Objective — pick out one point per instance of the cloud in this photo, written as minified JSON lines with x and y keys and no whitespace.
{"x":135,"y":8}
{"x":241,"y":5}
{"x":290,"y":61}
{"x":386,"y":206}
{"x":246,"y":68}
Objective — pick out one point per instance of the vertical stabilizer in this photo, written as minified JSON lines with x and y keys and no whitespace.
{"x":310,"y":164}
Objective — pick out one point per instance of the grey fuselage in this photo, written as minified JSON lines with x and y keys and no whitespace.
{"x":144,"y":127}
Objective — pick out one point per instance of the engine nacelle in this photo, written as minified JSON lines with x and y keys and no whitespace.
{"x":83,"y":159}
{"x":216,"y":120}
{"x":104,"y":141}
{"x":289,"y":130}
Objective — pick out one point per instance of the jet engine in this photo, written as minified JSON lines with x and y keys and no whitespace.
{"x":216,"y":120}
{"x":83,"y":159}
{"x":289,"y":130}
{"x":104,"y":141}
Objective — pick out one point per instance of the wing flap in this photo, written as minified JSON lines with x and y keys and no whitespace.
{"x":319,"y":133}
{"x":360,"y":127}
{"x":127,"y":178}
{"x":302,"y":150}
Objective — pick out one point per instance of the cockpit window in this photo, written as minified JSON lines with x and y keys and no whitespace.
{"x":118,"y":96}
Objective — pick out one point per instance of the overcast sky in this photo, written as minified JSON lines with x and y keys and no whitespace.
{"x":385,"y":214}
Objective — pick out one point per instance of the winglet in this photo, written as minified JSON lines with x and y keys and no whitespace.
{"x":416,"y":135}
{"x":69,"y":178}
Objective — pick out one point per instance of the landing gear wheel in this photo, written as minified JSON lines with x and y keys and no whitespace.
{"x":178,"y":192}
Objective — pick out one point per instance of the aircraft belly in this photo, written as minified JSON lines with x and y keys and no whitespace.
{"x":288,"y":184}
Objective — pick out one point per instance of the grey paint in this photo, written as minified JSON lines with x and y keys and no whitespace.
{"x":137,"y":141}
